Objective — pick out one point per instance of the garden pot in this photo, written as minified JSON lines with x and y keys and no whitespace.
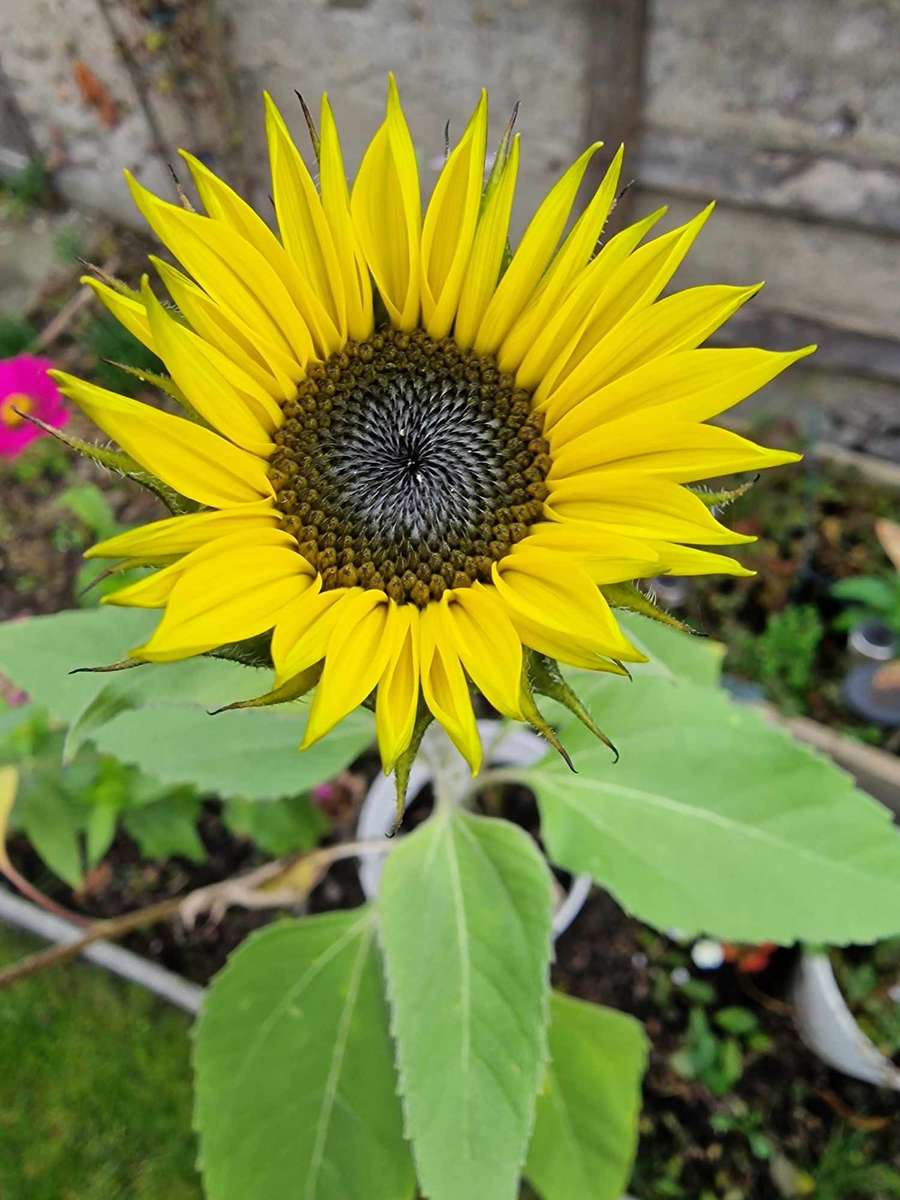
{"x":828,"y":1028}
{"x":862,"y":696}
{"x":503,"y":746}
{"x":871,"y":642}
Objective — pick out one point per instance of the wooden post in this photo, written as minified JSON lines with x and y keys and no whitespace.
{"x":615,"y":80}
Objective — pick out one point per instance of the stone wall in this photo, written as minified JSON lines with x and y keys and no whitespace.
{"x":785,"y":112}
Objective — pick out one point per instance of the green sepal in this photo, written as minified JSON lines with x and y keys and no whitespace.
{"x":723,"y":498}
{"x":533,"y":714}
{"x":627,"y":595}
{"x":295,"y":687}
{"x":311,"y":128}
{"x":403,"y":765}
{"x":121,"y":464}
{"x":125,"y":665}
{"x":500,"y":158}
{"x":163,"y":382}
{"x":252,"y":652}
{"x":111,"y":281}
{"x":547,"y":680}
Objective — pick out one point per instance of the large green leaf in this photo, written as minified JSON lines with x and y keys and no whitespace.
{"x":465,"y":906}
{"x":672,"y":653}
{"x":715,"y":820}
{"x":157,"y":716}
{"x":296,"y":1088}
{"x":586,"y":1128}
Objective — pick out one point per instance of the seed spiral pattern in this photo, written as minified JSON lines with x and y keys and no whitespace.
{"x":409,"y":465}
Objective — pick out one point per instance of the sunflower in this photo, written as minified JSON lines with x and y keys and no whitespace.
{"x":416,"y":461}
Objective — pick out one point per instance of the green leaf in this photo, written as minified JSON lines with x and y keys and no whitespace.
{"x":875,"y":593}
{"x":296,"y":1087}
{"x":585,"y":1134}
{"x":716,"y":821}
{"x":277,"y":827}
{"x":737,"y":1020}
{"x":157,"y":716}
{"x":465,"y":909}
{"x":52,"y":823}
{"x":100,"y":831}
{"x":166,"y":828}
{"x":672,"y":653}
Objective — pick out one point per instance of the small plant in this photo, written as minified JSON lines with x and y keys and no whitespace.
{"x":714,"y":1051}
{"x":846,"y":1172}
{"x":16,"y":336}
{"x":26,"y":189}
{"x":786,"y":652}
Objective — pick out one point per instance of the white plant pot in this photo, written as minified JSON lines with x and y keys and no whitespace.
{"x":513,"y":746}
{"x":828,"y":1028}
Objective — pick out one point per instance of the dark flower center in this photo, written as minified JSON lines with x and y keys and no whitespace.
{"x":409,"y":465}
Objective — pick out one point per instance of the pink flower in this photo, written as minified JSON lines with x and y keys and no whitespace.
{"x":25,"y":386}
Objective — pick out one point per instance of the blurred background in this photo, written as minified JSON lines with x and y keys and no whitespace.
{"x":787,"y":114}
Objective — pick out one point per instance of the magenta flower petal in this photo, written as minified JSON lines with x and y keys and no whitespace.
{"x":26,"y":386}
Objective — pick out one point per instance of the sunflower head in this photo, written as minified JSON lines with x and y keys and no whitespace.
{"x":411,"y":463}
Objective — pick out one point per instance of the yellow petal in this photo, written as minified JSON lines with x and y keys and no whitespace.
{"x":607,"y":557}
{"x":641,"y":506}
{"x":227,"y":598}
{"x":273,"y":372}
{"x":397,"y":699}
{"x":488,"y":250}
{"x":194,"y":461}
{"x":127,"y":311}
{"x":686,"y":560}
{"x":398,"y":691}
{"x":387,"y":214}
{"x":532,"y":256}
{"x":231,"y":270}
{"x":449,"y":228}
{"x":180,"y":535}
{"x":562,"y":272}
{"x":574,"y":310}
{"x":360,"y":647}
{"x":553,"y":592}
{"x":445,"y":689}
{"x":679,"y":322}
{"x":637,"y":282}
{"x":202,"y":372}
{"x":336,"y":203}
{"x":153,"y":591}
{"x":487,"y":644}
{"x":301,"y":635}
{"x":683,"y":451}
{"x":690,"y":385}
{"x":306,"y":236}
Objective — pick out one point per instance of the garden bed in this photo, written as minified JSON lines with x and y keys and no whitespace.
{"x":734,"y":1105}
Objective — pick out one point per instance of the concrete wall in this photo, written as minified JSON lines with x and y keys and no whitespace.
{"x":785,"y":112}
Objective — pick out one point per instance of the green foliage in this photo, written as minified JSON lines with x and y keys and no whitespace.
{"x":585,"y":1132}
{"x":26,"y":189}
{"x":716,"y":1061}
{"x":296,"y":1086}
{"x":866,"y":986}
{"x":157,"y":717}
{"x":464,"y":909}
{"x":870,"y":597}
{"x":94,"y":522}
{"x":737,"y":1118}
{"x":16,"y":335}
{"x":278,"y":827}
{"x":106,"y":340}
{"x":751,"y":837}
{"x":846,"y":1172}
{"x":95,"y":1089}
{"x":783,"y":656}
